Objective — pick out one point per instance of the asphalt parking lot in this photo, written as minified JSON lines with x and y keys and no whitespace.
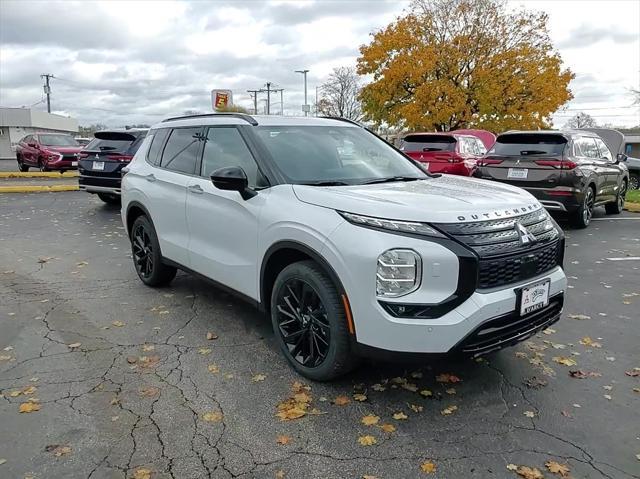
{"x":119,"y":380}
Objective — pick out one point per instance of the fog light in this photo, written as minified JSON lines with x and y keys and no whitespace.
{"x":398,"y":273}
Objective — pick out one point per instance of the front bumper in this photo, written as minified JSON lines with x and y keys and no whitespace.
{"x":65,"y":163}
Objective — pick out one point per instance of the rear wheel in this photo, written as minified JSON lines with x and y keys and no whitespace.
{"x":634,"y":181}
{"x":309,"y":322}
{"x":42,"y":166}
{"x":616,"y":207}
{"x":21,"y":166}
{"x":147,"y":259}
{"x":109,"y":198}
{"x":582,"y":216}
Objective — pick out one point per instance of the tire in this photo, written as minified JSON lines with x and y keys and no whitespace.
{"x":146,"y":255}
{"x":42,"y":167}
{"x":634,"y":181}
{"x":300,"y":286}
{"x":617,"y":206}
{"x":109,"y":198}
{"x":581,"y":218}
{"x":21,"y":166}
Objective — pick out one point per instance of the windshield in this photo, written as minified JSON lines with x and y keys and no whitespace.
{"x":428,"y":143}
{"x":343,"y":155}
{"x":531,"y":144}
{"x":57,"y":140}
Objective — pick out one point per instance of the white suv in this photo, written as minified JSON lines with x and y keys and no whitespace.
{"x":345,"y":242}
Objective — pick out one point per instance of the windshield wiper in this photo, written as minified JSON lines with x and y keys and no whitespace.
{"x":392,"y":178}
{"x":326,"y":183}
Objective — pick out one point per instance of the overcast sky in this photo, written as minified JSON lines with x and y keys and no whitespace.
{"x":121,"y":63}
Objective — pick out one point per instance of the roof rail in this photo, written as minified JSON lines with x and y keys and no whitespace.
{"x":243,"y":116}
{"x":346,"y":120}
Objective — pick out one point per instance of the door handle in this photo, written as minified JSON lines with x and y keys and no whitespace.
{"x":150,"y":177}
{"x":195,"y":189}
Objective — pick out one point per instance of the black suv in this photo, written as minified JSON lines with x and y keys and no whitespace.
{"x":101,"y":161}
{"x":568,"y":171}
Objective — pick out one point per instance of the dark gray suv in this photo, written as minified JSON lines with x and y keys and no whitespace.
{"x":567,"y":171}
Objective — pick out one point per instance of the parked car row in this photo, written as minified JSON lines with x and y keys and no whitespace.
{"x":567,"y":171}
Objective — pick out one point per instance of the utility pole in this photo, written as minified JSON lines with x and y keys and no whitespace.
{"x":305,"y":107}
{"x":47,"y":89}
{"x":254,"y":95}
{"x":268,"y":85}
{"x":281,"y":90}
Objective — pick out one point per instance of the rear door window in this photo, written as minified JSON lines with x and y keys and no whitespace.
{"x":181,"y":151}
{"x":525,"y":145}
{"x":428,"y":143}
{"x":604,"y":150}
{"x":586,"y":147}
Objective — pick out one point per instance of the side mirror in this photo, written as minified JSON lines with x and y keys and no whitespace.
{"x":233,"y":178}
{"x":621,"y":157}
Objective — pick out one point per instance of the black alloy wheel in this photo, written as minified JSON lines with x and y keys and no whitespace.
{"x":634,"y":182}
{"x":582,"y":217}
{"x":147,"y":258}
{"x":303,"y":324}
{"x":617,"y":206}
{"x":142,"y":250}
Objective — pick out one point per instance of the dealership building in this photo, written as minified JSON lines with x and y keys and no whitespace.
{"x":16,"y":123}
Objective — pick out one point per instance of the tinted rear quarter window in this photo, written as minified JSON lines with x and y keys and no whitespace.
{"x":529,"y":145}
{"x":181,"y":151}
{"x":155,"y":150}
{"x":428,"y":143}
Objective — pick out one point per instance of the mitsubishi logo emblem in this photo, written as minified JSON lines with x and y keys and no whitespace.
{"x":97,"y":157}
{"x":526,"y":237}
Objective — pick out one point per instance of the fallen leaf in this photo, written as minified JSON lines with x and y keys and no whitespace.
{"x":258,"y":377}
{"x":204,"y":351}
{"x":2,"y":461}
{"x":118,"y":324}
{"x":27,"y":391}
{"x":27,"y":407}
{"x":587,"y":341}
{"x":608,"y":388}
{"x":367,"y":476}
{"x":279,"y":474}
{"x":360,"y":397}
{"x":428,"y":467}
{"x":534,"y":382}
{"x":367,"y":440}
{"x":607,"y":396}
{"x":449,"y":410}
{"x":297,"y":405}
{"x":114,"y":418}
{"x":529,"y":472}
{"x":447,"y":378}
{"x":416,"y":408}
{"x":549,"y":331}
{"x":5,"y":357}
{"x":15,"y":394}
{"x":141,"y":473}
{"x":213,"y":416}
{"x":410,"y":387}
{"x":148,"y":347}
{"x":529,"y":413}
{"x":426,"y":393}
{"x":512,"y":467}
{"x":74,"y":345}
{"x":558,"y":468}
{"x":388,"y":428}
{"x":610,"y":358}
{"x":211,"y":336}
{"x":635,"y":372}
{"x":369,"y":420}
{"x":579,"y":316}
{"x":132,"y":359}
{"x":149,"y":361}
{"x":564,"y":360}
{"x":149,"y":392}
{"x":400,"y":416}
{"x":378,"y":387}
{"x":450,"y":391}
{"x":283,"y":440}
{"x":58,"y":450}
{"x":416,"y":375}
{"x":341,"y":400}
{"x":213,"y":368}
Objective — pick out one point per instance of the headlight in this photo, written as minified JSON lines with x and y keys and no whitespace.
{"x":392,"y":225}
{"x":398,"y":273}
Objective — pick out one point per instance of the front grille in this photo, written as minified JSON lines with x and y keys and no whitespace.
{"x":511,"y":328}
{"x":518,"y":267}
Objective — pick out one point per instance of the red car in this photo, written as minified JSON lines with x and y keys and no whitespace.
{"x":453,"y":152}
{"x":48,"y":151}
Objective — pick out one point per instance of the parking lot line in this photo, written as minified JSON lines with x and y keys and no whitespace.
{"x":614,"y":219}
{"x":628,"y":258}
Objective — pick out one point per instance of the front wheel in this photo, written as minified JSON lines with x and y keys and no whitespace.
{"x":147,"y":259}
{"x":21,"y":166}
{"x":42,"y":166}
{"x":309,"y":322}
{"x":617,"y":207}
{"x":109,"y":198}
{"x":582,"y":216}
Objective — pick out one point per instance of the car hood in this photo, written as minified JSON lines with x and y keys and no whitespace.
{"x":446,"y":199}
{"x":67,"y":150}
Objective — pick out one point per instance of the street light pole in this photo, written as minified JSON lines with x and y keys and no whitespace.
{"x":305,"y":107}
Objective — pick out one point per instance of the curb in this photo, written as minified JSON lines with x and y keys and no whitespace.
{"x":632,"y":207}
{"x":37,"y":188}
{"x":37,"y":174}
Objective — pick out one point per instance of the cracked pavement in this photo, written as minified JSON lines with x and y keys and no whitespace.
{"x":133,"y":392}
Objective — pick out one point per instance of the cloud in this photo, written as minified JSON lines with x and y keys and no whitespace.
{"x":587,"y":35}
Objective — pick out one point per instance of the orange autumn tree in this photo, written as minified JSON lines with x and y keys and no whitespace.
{"x":450,"y":64}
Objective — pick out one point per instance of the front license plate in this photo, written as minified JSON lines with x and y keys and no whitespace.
{"x":534,"y":297}
{"x":518,"y":173}
{"x":74,"y":163}
{"x":98,"y":165}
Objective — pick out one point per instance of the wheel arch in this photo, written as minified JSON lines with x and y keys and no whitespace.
{"x":282,"y":254}
{"x":136,"y":209}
